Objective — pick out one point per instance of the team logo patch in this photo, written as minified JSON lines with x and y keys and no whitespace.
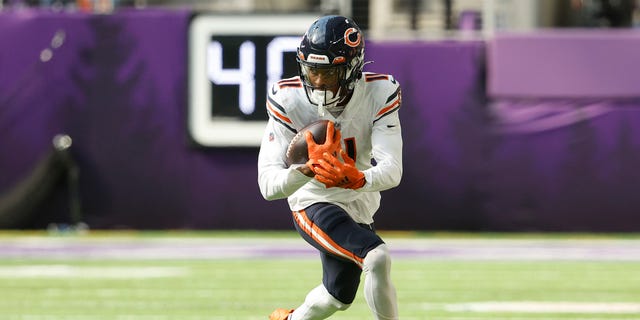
{"x":352,"y":37}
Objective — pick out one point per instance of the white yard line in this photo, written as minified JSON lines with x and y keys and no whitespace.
{"x":539,"y":307}
{"x":68,"y":271}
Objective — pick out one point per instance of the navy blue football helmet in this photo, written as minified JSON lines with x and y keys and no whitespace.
{"x":332,"y":45}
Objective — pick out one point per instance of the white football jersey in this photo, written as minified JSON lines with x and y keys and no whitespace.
{"x":370,"y":128}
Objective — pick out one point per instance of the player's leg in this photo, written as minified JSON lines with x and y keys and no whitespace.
{"x":340,"y":282}
{"x":379,"y":291}
{"x":345,"y":247}
{"x":318,"y":304}
{"x":358,"y":244}
{"x":341,"y":277}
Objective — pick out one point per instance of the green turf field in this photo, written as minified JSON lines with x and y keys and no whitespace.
{"x":129,"y":276}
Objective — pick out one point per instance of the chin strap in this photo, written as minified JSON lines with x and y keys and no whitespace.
{"x":319,"y":97}
{"x":321,"y":109}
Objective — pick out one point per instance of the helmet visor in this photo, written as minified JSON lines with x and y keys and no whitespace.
{"x":321,"y":77}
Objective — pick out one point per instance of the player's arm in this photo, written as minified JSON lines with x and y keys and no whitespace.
{"x":275,"y":180}
{"x":386,"y":140}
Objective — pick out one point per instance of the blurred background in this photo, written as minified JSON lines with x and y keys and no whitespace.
{"x":394,"y":15}
{"x":518,"y":115}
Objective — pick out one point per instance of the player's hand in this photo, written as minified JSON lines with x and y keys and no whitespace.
{"x":331,"y":145}
{"x":333,"y":173}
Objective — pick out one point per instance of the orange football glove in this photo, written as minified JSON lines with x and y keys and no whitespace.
{"x":331,"y":145}
{"x":333,"y":173}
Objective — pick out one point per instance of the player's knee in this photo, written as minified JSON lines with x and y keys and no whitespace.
{"x":321,"y":298}
{"x":333,"y":303}
{"x":377,"y":260}
{"x":343,"y":306}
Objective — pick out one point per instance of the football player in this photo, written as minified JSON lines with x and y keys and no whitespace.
{"x":333,"y":197}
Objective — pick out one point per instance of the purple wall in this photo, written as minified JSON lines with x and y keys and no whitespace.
{"x":118,"y":86}
{"x":600,"y":63}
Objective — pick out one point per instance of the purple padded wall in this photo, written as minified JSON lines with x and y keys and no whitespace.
{"x":565,"y":64}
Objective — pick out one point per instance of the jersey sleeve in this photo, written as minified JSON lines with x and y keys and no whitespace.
{"x":275,"y":180}
{"x":386,"y":139}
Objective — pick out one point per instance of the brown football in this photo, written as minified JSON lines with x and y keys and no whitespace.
{"x":297,"y":151}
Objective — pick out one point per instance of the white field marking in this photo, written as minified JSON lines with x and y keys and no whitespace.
{"x":67,"y":271}
{"x":540,"y":307}
{"x":172,"y":247}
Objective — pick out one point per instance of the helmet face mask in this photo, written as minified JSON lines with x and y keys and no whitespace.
{"x":331,"y":50}
{"x":324,"y":84}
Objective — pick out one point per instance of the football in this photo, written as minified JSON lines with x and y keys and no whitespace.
{"x":297,"y":151}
